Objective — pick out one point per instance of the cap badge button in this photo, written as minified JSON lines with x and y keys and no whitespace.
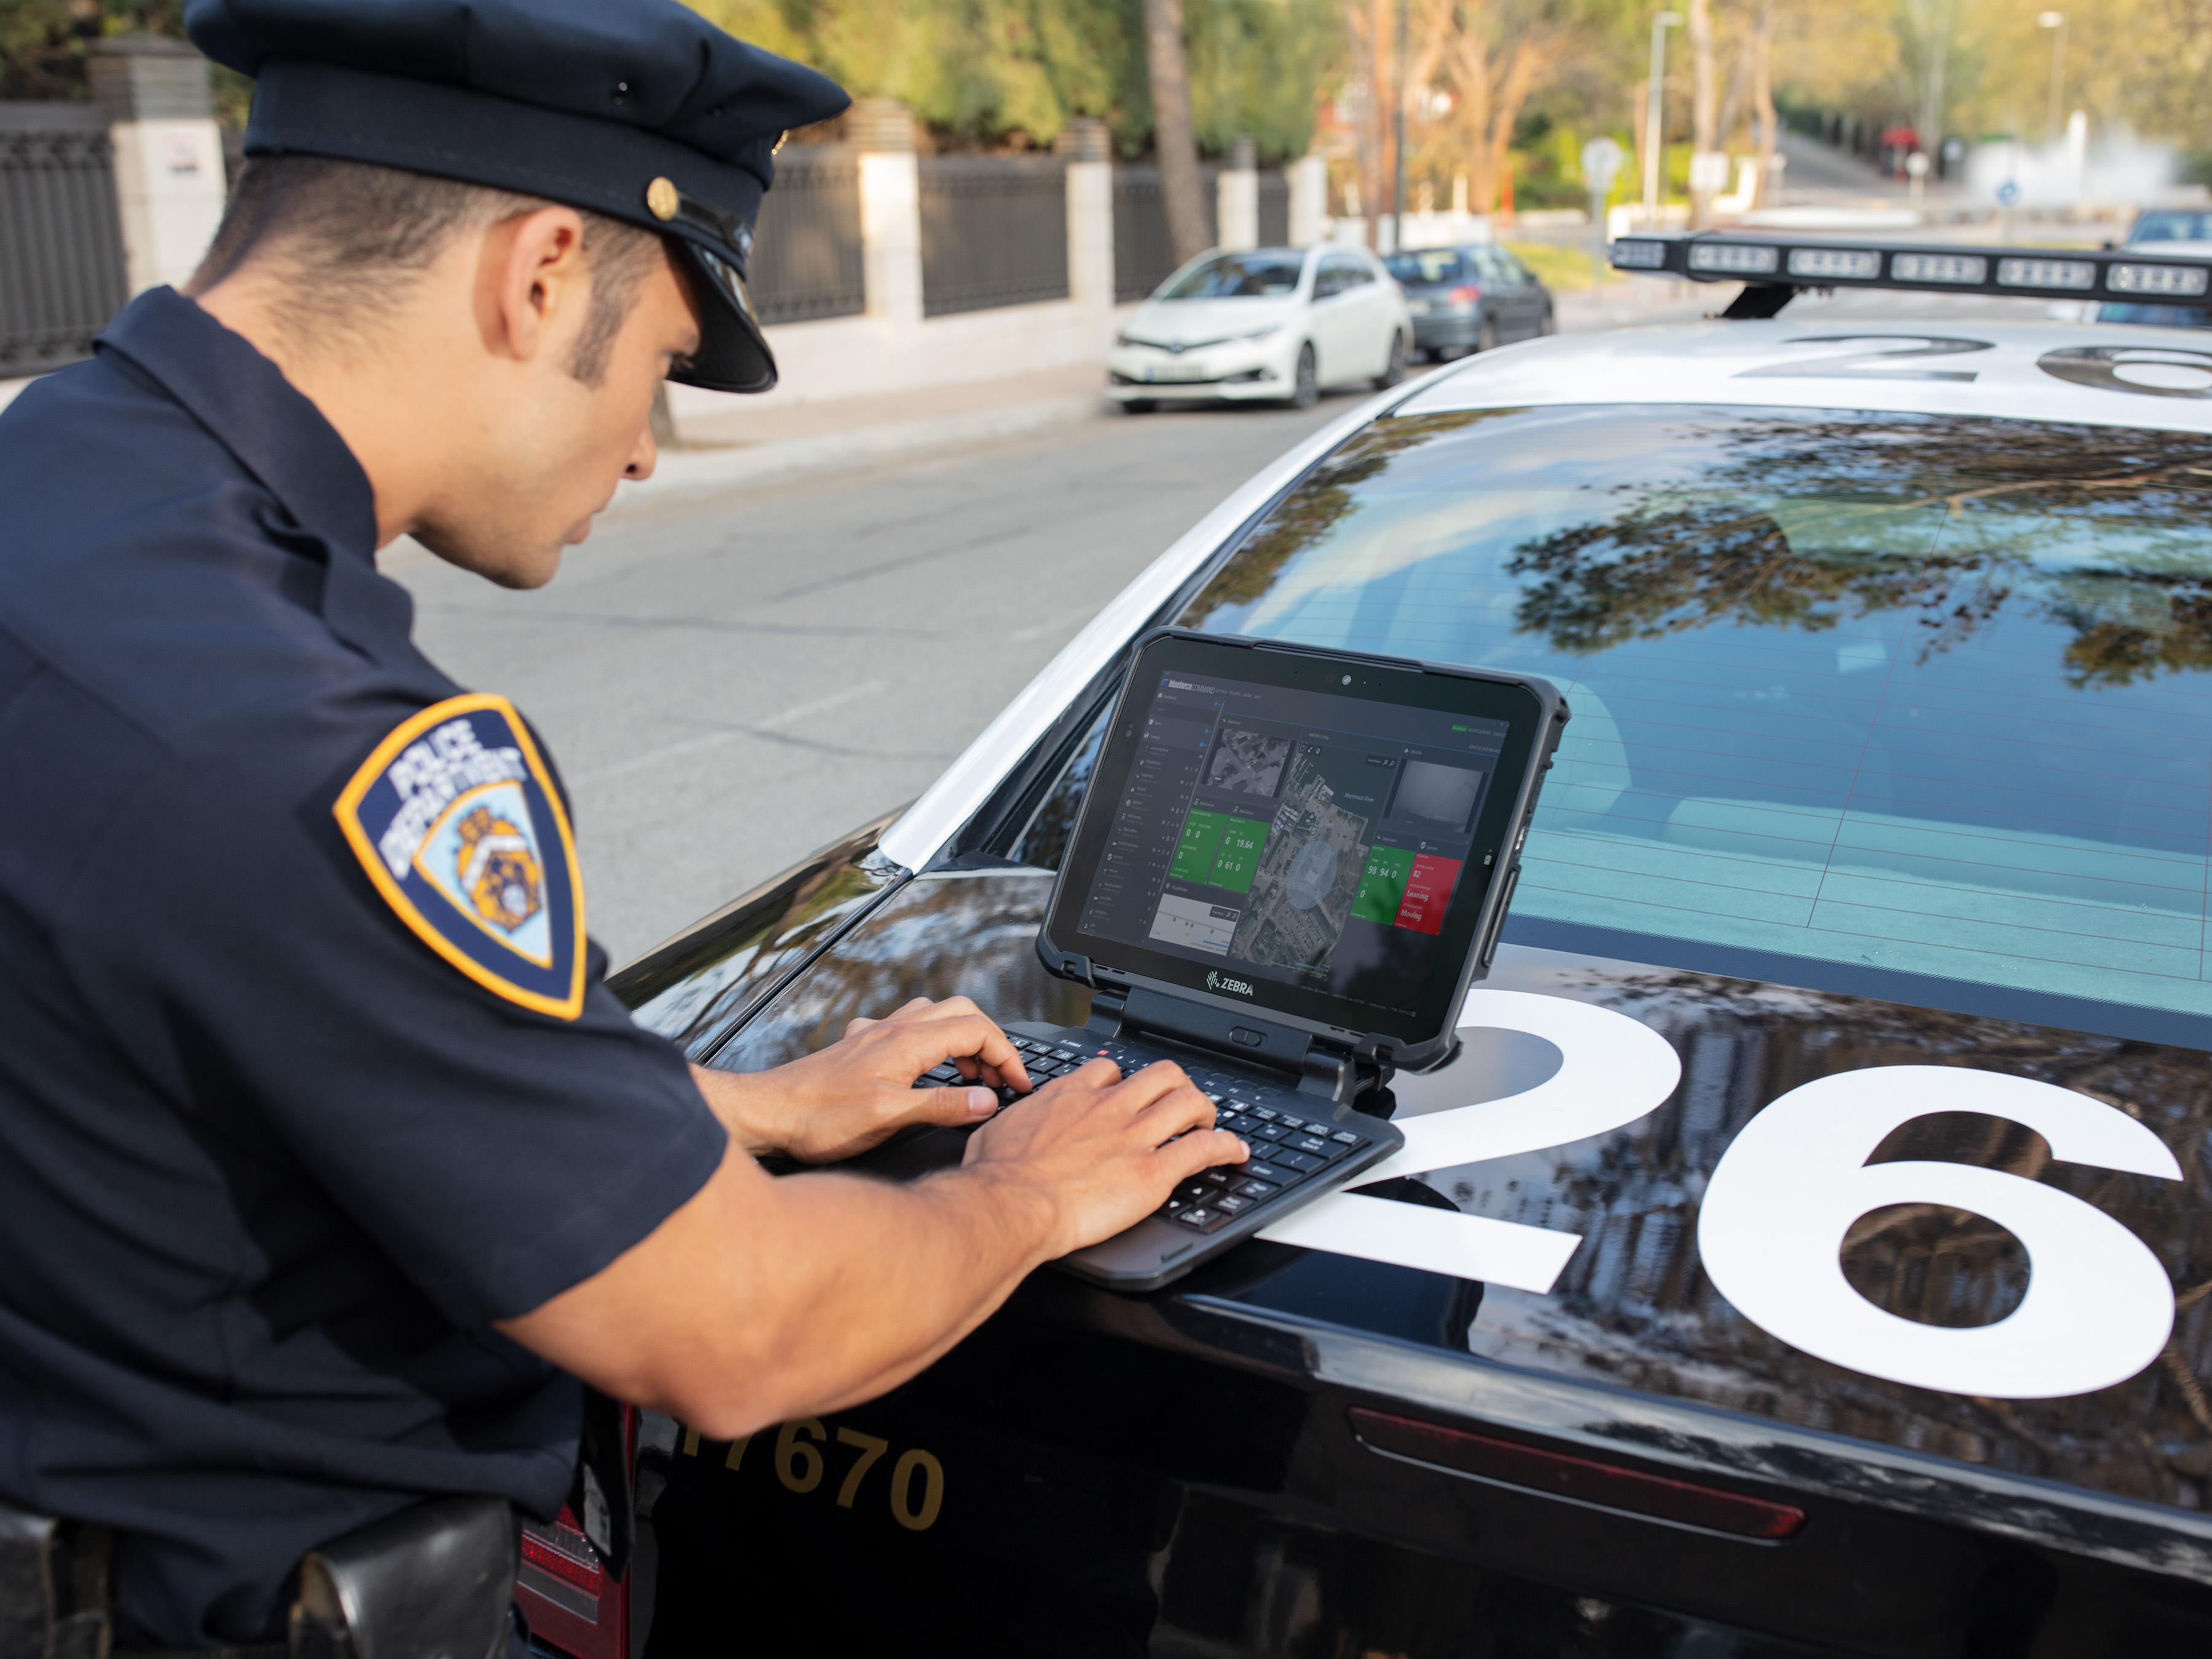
{"x":661,"y":199}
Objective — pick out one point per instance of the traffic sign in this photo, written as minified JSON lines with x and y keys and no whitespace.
{"x":1601,"y":159}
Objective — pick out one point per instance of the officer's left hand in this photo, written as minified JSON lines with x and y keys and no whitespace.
{"x":859,"y":1091}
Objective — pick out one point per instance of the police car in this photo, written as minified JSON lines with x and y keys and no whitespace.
{"x":1822,"y":1263}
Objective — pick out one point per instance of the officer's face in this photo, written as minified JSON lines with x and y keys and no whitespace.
{"x":549,"y":448}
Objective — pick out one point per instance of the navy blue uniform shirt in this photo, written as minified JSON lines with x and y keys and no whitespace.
{"x":277,"y":1146}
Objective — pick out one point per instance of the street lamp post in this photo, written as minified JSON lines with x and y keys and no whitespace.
{"x":1654,"y":129}
{"x":2056,"y":22}
{"x":1601,"y":165}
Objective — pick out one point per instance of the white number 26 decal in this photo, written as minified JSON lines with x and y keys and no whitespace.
{"x":1771,"y":1229}
{"x":1613,"y":1071}
{"x":2099,"y":1307}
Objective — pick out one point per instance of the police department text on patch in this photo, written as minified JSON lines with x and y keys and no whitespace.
{"x":429,"y":775}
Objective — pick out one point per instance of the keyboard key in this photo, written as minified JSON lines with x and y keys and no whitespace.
{"x":1216,"y":1178}
{"x":1173,"y":1206}
{"x":1254,"y":1190}
{"x":1263,"y":1113}
{"x":1298,"y":1161}
{"x":1281,"y":1175}
{"x":1271,"y":1132}
{"x":944,"y":1073}
{"x":1290,"y":1122}
{"x":1346,"y":1138}
{"x":1313,"y":1143}
{"x":1200,"y":1216}
{"x":1232,"y":1204}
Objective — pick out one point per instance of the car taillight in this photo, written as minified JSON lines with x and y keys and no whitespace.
{"x":1467,"y":295}
{"x":1579,"y":1480}
{"x":563,"y":1589}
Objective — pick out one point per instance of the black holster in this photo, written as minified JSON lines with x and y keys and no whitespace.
{"x":433,"y":1582}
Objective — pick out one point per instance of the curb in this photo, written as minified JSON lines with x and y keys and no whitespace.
{"x":683,"y":473}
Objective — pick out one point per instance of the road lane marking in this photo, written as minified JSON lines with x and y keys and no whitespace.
{"x":715,"y":739}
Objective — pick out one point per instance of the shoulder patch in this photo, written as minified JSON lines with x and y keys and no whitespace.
{"x":456,"y":820}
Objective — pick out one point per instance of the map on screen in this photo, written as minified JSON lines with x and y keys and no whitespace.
{"x":1309,"y":870}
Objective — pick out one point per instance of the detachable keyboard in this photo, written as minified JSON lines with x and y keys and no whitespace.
{"x":1302,"y":1148}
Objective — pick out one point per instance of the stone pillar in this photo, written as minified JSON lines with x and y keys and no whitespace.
{"x":1309,"y":182}
{"x":1237,"y":198}
{"x":1084,"y":141}
{"x":169,"y":188}
{"x":882,"y":129}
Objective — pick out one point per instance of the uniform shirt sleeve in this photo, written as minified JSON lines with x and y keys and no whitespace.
{"x":239,"y":954}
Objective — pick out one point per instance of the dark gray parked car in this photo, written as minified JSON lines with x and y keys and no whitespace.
{"x":1469,"y":299}
{"x":2164,"y":225}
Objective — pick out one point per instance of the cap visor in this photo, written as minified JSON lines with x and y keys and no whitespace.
{"x":732,"y":354}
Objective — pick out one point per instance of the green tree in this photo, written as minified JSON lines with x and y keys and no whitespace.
{"x":42,"y":42}
{"x":1013,"y":72}
{"x":1005,"y":73}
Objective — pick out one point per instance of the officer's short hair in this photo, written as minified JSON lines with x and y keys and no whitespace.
{"x":354,"y":235}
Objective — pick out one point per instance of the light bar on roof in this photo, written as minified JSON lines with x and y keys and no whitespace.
{"x":2076,"y":275}
{"x":2164,"y":281}
{"x":1736,"y":259}
{"x":1773,"y":267}
{"x":1967,"y":270}
{"x":1817,"y":265}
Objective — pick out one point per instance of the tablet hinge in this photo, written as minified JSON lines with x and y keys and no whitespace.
{"x":1106,"y":1012}
{"x":1319,"y":1068}
{"x":1229,"y":1032}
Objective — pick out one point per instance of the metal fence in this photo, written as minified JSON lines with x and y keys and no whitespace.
{"x":1143,"y":257}
{"x":993,"y":232}
{"x":61,"y":248}
{"x":807,"y":259}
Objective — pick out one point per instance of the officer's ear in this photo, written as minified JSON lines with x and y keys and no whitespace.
{"x":534,"y":284}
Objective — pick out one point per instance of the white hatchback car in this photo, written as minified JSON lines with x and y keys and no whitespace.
{"x":1274,"y":325}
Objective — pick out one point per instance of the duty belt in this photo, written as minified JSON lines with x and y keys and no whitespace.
{"x":433,"y":1582}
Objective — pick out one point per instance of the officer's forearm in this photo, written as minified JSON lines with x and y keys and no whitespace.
{"x":761,"y":1300}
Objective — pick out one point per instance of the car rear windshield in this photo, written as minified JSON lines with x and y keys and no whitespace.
{"x":1238,"y":276}
{"x":1893,"y":704}
{"x":1429,"y":266}
{"x":2168,"y":225}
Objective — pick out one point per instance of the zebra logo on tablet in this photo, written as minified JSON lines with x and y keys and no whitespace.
{"x":455,"y":819}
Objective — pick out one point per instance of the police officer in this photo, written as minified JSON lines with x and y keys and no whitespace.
{"x":328,"y":1163}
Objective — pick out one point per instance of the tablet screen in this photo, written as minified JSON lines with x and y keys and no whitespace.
{"x":1305,"y":846}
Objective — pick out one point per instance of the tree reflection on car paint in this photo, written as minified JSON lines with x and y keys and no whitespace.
{"x":1635,"y":1307}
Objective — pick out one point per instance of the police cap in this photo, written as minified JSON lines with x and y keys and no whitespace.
{"x":641,"y":109}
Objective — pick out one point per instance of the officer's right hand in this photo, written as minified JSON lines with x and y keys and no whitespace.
{"x":1100,"y":1148}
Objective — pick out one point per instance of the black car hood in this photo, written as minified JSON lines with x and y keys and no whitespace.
{"x":1635,"y":1308}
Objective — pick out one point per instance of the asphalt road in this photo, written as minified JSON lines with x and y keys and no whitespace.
{"x":728,"y":682}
